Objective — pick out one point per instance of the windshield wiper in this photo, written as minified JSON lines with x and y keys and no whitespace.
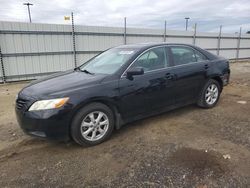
{"x":85,"y":70}
{"x":77,"y":68}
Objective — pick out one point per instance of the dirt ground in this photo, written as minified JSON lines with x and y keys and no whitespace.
{"x":187,"y":147}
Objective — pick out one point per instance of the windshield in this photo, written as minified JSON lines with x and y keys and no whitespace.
{"x":109,"y":61}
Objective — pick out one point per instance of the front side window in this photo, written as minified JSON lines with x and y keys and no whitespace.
{"x":199,"y":56}
{"x":183,"y":55}
{"x":109,"y":61}
{"x":152,"y":60}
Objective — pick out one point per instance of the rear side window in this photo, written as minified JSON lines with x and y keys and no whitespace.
{"x":183,"y":55}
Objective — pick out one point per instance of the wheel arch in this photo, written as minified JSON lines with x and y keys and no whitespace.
{"x":103,"y":100}
{"x":218,"y":79}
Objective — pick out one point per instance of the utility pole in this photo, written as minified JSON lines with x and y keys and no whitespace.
{"x":187,"y":18}
{"x":28,"y":5}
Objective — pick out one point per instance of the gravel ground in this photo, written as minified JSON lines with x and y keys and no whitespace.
{"x":187,"y":147}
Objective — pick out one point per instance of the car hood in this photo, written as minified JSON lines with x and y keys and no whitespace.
{"x":61,"y":84}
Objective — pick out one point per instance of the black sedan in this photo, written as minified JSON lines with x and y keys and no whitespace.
{"x":120,"y":85}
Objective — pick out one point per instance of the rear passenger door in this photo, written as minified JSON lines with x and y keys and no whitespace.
{"x":189,"y":67}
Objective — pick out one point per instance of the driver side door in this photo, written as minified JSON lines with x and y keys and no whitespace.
{"x":148,"y":92}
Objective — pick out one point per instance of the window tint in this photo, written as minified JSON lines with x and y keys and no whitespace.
{"x":109,"y":61}
{"x":199,"y":56}
{"x":183,"y":55}
{"x":152,"y":60}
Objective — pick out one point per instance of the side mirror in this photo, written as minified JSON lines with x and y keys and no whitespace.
{"x":134,"y":71}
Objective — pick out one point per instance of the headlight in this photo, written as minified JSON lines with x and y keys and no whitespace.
{"x":48,"y":104}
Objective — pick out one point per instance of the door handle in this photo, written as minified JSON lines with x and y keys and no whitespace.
{"x":169,"y":76}
{"x":206,"y":66}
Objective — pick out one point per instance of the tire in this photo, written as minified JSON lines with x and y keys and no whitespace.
{"x":203,"y":100}
{"x":86,"y":122}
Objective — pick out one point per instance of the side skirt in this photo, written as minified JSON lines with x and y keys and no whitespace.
{"x":153,"y":113}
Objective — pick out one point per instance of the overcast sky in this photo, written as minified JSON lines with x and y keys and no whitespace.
{"x":208,"y":14}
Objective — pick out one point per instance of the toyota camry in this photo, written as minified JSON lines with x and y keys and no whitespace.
{"x":118,"y":86}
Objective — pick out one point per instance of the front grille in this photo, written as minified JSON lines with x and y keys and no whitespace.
{"x":21,"y":103}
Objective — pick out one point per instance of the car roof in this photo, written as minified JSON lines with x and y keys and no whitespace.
{"x":144,"y":46}
{"x":150,"y":45}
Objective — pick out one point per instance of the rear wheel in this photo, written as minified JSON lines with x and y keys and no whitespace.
{"x":210,"y":94}
{"x":93,"y":124}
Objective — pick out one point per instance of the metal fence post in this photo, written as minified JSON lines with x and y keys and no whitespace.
{"x":125,"y":31}
{"x":218,"y":44}
{"x":165,"y":31}
{"x":73,"y":39}
{"x":194,"y":37}
{"x":238,"y":46}
{"x":2,"y":66}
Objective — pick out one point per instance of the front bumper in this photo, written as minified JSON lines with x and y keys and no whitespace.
{"x":51,"y":124}
{"x":225,"y":78}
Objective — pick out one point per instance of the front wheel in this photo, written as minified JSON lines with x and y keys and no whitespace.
{"x":210,"y":94}
{"x":93,"y":124}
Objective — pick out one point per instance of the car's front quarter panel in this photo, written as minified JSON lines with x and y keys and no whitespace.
{"x":55,"y":123}
{"x":43,"y":123}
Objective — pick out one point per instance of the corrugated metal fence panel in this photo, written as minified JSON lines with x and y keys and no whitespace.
{"x":213,"y":51}
{"x":30,"y":67}
{"x":179,"y":37}
{"x":96,"y":43}
{"x":230,"y":54}
{"x":228,"y":43}
{"x":188,"y":40}
{"x":244,"y":53}
{"x":82,"y":58}
{"x":22,"y":59}
{"x":91,"y":38}
{"x":244,"y":43}
{"x":139,"y":35}
{"x":139,"y":39}
{"x":29,"y":43}
{"x":206,"y":42}
{"x":32,"y":50}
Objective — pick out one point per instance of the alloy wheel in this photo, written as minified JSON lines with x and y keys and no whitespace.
{"x":94,"y":126}
{"x":212,"y":94}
